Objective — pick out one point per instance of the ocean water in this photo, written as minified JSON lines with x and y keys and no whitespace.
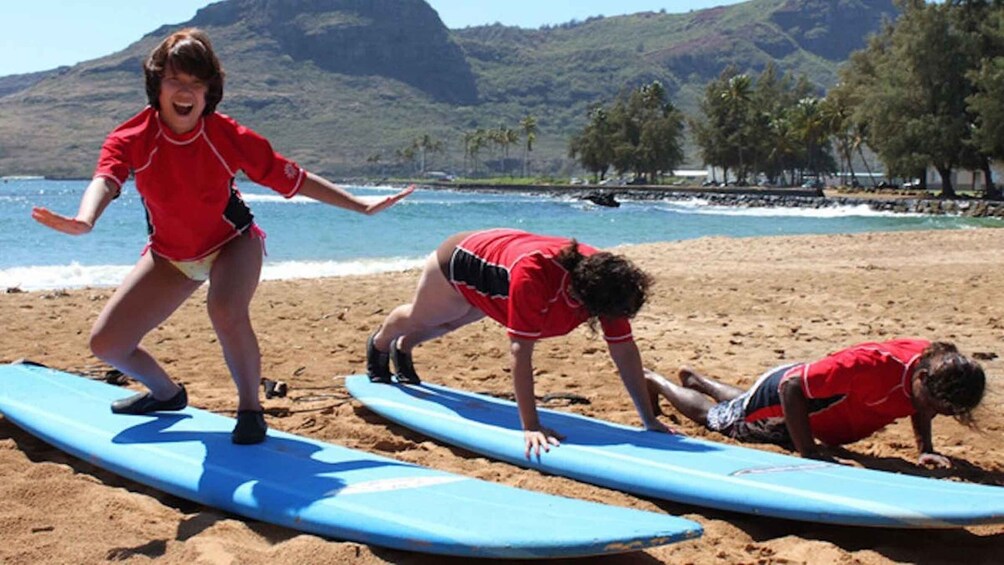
{"x":308,"y":239}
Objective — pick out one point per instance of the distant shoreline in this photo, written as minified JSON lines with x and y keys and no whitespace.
{"x":753,"y":197}
{"x":745,"y":197}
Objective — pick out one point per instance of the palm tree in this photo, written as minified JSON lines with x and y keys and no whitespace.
{"x":836,"y":116}
{"x":783,"y":154}
{"x":511,"y":137}
{"x":737,"y":96}
{"x":424,"y":145}
{"x":809,"y":125}
{"x":859,"y":139}
{"x":529,"y":126}
{"x":468,"y":140}
{"x":478,"y":140}
{"x":503,"y":136}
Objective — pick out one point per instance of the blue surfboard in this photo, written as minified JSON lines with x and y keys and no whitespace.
{"x":682,"y":469}
{"x":318,"y":487}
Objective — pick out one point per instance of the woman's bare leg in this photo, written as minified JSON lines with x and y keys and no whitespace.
{"x":232,"y":284}
{"x":436,"y":308}
{"x":410,"y":341}
{"x":150,"y":293}
{"x":721,"y":392}
{"x":690,"y":403}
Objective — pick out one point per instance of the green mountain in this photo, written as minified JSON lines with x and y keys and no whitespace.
{"x":340,"y":85}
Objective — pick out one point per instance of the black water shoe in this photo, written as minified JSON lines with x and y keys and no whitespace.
{"x":250,"y":428}
{"x":377,"y":363}
{"x":144,"y":403}
{"x":405,"y":368}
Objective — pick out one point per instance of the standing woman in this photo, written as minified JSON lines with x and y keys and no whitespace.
{"x":184,"y":156}
{"x":535,"y":286}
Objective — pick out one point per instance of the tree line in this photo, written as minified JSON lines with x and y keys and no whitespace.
{"x":484,"y":148}
{"x":926,"y":91}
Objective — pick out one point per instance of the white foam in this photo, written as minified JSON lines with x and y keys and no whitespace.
{"x":278,"y":199}
{"x":275,"y":198}
{"x":315,"y":269}
{"x":73,"y":275}
{"x":76,"y":275}
{"x":703,"y":207}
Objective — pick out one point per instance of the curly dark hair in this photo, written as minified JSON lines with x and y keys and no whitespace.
{"x":608,"y":285}
{"x":188,"y":51}
{"x":953,"y":378}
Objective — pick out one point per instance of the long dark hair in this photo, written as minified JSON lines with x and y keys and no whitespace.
{"x":188,"y":51}
{"x":608,"y":285}
{"x":953,"y":379}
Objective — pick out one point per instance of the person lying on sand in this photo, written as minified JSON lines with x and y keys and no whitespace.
{"x":839,"y":399}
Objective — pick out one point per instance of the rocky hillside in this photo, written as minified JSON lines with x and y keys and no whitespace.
{"x":402,"y":40}
{"x":341,"y":85}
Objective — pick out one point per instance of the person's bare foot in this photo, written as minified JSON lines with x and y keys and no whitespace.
{"x":689,"y":377}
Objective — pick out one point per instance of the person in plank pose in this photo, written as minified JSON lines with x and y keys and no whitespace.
{"x":184,"y":156}
{"x":839,"y":399}
{"x":537,"y":287}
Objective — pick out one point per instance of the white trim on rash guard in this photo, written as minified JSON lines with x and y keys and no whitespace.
{"x":902,"y":386}
{"x":153,"y":227}
{"x":903,"y":381}
{"x":117,"y":182}
{"x":909,"y":364}
{"x":569,"y":301}
{"x":197,"y":135}
{"x":231,"y":224}
{"x":522,"y":333}
{"x":299,"y":183}
{"x":226,"y":165}
{"x":805,"y":382}
{"x":619,"y":339}
{"x":149,"y":158}
{"x":891,"y":392}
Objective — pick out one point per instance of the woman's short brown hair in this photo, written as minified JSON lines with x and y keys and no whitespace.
{"x":188,"y":51}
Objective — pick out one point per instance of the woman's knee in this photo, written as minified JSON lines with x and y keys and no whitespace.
{"x":227,"y":314}
{"x":108,"y":345}
{"x":397,"y":323}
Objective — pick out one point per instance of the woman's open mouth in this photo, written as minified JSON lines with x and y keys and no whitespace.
{"x":183,"y":109}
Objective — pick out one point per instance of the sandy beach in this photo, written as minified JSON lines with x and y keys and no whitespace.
{"x":729,"y":307}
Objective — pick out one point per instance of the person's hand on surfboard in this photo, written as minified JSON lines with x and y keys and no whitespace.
{"x":379,"y":203}
{"x":59,"y":222}
{"x":932,"y":459}
{"x":544,"y":437}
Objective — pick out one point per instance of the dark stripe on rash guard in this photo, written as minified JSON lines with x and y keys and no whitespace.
{"x":472,"y":271}
{"x":237,"y":212}
{"x":765,"y":401}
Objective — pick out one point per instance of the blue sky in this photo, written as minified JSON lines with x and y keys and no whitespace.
{"x":43,"y":34}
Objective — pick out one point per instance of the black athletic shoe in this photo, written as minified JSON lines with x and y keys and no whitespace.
{"x":144,"y":403}
{"x":405,"y":369}
{"x":250,"y":428}
{"x":377,"y":363}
